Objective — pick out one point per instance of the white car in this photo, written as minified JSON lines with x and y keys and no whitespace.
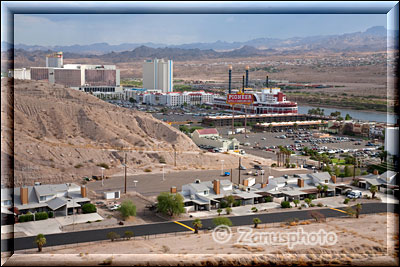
{"x":114,"y":207}
{"x":354,"y":194}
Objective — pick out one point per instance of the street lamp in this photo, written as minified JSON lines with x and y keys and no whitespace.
{"x":262,"y":176}
{"x":222,"y":167}
{"x":102,"y":176}
{"x":163,"y":173}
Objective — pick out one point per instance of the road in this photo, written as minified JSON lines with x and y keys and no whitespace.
{"x":153,"y":184}
{"x":171,"y":227}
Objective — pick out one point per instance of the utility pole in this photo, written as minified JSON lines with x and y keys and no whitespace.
{"x":231,"y":175}
{"x":125,"y":172}
{"x":240,"y":164}
{"x":233,"y":118}
{"x":174,"y":156}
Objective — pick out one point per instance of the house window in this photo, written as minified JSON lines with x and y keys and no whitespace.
{"x":43,"y":198}
{"x":7,"y":202}
{"x":206,"y":192}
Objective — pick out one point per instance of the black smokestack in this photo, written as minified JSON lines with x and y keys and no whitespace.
{"x":266,"y":82}
{"x":247,"y":76}
{"x":230,"y":79}
{"x":243,"y":85}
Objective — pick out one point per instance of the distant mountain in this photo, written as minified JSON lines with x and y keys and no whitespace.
{"x":373,"y":39}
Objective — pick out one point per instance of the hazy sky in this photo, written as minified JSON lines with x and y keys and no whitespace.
{"x":69,"y":29}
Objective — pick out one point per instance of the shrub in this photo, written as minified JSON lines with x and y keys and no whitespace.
{"x":223,"y":204}
{"x":268,"y":199}
{"x":127,"y":209}
{"x":25,"y":218}
{"x":285,"y":204}
{"x":41,"y":216}
{"x":89,"y":208}
{"x":320,"y":204}
{"x":112,"y":236}
{"x":273,"y":165}
{"x":254,"y":209}
{"x":236,"y":203}
{"x":312,"y":205}
{"x":293,"y":165}
{"x":78,"y":166}
{"x":346,"y":201}
{"x":147,"y":170}
{"x":104,"y":165}
{"x":319,"y":217}
{"x":51,"y":214}
{"x":222,"y":221}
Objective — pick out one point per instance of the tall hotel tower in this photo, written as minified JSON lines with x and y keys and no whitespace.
{"x":158,"y":74}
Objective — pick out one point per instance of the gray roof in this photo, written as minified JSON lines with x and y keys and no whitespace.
{"x":320,"y":176}
{"x":56,"y":203}
{"x":45,"y":190}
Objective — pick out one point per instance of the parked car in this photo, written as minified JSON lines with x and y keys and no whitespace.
{"x":227,"y":173}
{"x":258,"y":167}
{"x":114,"y":207}
{"x":354,"y":194}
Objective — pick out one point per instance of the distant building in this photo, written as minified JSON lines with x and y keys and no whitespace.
{"x":20,"y":74}
{"x":392,"y":140}
{"x":158,"y":74}
{"x":210,"y":137}
{"x":156,"y":97}
{"x":54,"y":60}
{"x":61,"y":199}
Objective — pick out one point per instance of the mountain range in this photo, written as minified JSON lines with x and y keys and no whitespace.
{"x":373,"y":39}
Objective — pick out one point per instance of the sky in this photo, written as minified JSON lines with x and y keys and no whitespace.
{"x":82,"y":29}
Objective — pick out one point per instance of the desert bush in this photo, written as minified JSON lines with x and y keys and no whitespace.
{"x":228,"y":210}
{"x":162,"y":160}
{"x":128,"y":234}
{"x":346,"y":201}
{"x":78,"y":166}
{"x":147,"y":170}
{"x":268,"y":199}
{"x":112,"y":236}
{"x":317,"y":216}
{"x":320,"y":204}
{"x":222,"y":221}
{"x":254,"y":209}
{"x":51,"y":214}
{"x":127,"y":209}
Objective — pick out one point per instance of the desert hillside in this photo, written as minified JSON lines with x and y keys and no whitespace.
{"x":61,"y":135}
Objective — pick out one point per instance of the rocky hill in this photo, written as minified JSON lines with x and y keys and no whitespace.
{"x":61,"y":134}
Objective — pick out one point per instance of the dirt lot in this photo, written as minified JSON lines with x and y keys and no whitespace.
{"x":369,"y":240}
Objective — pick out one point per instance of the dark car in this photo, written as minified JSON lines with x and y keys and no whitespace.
{"x":258,"y":167}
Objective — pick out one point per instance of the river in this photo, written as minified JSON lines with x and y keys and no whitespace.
{"x":355,"y":114}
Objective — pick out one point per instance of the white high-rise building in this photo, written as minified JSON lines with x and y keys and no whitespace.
{"x":158,"y":74}
{"x":55,"y":60}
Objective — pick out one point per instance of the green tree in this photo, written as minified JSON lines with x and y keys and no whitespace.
{"x":228,"y":210}
{"x":348,"y":117}
{"x":230,"y":200}
{"x":336,"y":170}
{"x":127,"y":209}
{"x":339,"y":118}
{"x":170,"y":204}
{"x":40,"y":241}
{"x":197,"y":224}
{"x":373,"y":189}
{"x":296,"y":202}
{"x":308,"y":201}
{"x":219,"y":211}
{"x":256,"y":222}
{"x":128,"y":234}
{"x":348,"y":171}
{"x":89,"y":208}
{"x":285,"y":204}
{"x":383,"y":156}
{"x":222,"y":221}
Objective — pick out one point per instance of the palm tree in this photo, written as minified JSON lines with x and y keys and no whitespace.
{"x":319,"y":188}
{"x":219,"y":211}
{"x":228,"y":210}
{"x":40,"y":241}
{"x":296,"y":201}
{"x":230,"y":199}
{"x":358,"y":209}
{"x":197,"y":224}
{"x":325,"y":189}
{"x":256,"y":221}
{"x":373,"y":189}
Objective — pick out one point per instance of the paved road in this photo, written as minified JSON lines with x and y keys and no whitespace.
{"x":171,"y":227}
